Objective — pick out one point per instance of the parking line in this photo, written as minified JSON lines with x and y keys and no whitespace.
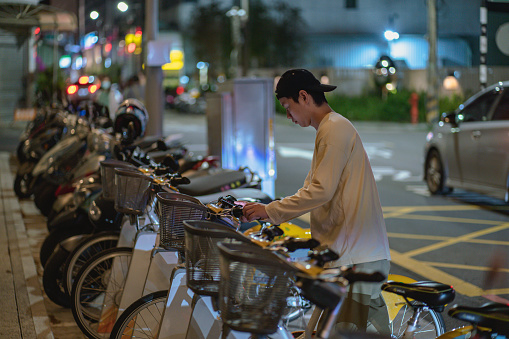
{"x":443,"y":238}
{"x":432,"y":208}
{"x":430,"y":270}
{"x":431,"y":273}
{"x":446,"y":219}
{"x":456,"y":240}
{"x":464,"y":267}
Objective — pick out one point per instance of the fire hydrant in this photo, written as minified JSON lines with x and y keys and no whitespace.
{"x":414,"y":107}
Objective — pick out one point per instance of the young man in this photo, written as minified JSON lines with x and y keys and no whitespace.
{"x":341,"y":195}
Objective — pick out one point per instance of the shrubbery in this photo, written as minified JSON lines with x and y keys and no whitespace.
{"x":396,"y":108}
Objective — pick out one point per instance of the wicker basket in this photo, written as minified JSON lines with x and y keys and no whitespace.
{"x":133,"y":189}
{"x":173,"y":209}
{"x":202,"y":254}
{"x":253,"y":288}
{"x":108,"y":177}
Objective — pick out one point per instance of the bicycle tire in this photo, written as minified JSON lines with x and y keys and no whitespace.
{"x":85,"y":250}
{"x":142,"y":317}
{"x":431,"y":323}
{"x":91,"y":286}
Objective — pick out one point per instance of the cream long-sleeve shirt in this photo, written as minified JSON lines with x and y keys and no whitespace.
{"x":341,"y":194}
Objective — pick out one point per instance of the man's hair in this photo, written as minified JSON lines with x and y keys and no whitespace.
{"x":295,"y":80}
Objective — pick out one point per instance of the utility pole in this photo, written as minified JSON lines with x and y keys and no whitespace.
{"x":432,"y":94}
{"x":483,"y":45}
{"x":153,"y":74}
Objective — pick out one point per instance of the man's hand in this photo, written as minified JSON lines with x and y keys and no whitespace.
{"x":254,"y":211}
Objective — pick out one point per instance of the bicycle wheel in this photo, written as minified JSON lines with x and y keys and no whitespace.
{"x":101,"y":280}
{"x":88,"y":248}
{"x":141,"y":319}
{"x":431,"y":323}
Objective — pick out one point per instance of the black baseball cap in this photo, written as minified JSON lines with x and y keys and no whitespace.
{"x":294,"y":80}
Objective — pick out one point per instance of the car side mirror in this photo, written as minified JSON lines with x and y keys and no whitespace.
{"x":451,"y":118}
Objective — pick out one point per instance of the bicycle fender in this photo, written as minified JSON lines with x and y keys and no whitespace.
{"x":393,"y":301}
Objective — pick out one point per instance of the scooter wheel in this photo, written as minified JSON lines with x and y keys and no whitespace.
{"x":56,"y":237}
{"x":44,"y":198}
{"x":53,"y":278}
{"x":23,"y":180}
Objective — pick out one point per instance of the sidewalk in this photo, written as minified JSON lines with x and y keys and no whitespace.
{"x":25,"y":312}
{"x":21,"y":289}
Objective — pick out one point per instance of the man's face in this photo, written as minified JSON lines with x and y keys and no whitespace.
{"x":295,"y":111}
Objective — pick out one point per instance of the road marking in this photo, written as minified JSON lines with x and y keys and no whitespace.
{"x":292,"y":152}
{"x":430,"y":270}
{"x":435,"y":274}
{"x":447,"y":219}
{"x":456,"y":240}
{"x":464,"y":267}
{"x":434,"y":208}
{"x":442,"y":238}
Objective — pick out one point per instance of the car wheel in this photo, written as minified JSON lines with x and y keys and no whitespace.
{"x":435,"y":173}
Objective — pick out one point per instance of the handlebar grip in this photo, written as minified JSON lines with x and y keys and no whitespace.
{"x":237,"y":211}
{"x":293,"y":244}
{"x":324,"y":256}
{"x":180,"y":181}
{"x":353,"y":276}
{"x":273,"y":232}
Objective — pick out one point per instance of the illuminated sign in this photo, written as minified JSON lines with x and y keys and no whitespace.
{"x":89,"y":40}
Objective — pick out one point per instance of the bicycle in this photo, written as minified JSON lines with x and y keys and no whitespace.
{"x":490,"y":320}
{"x":152,"y":315}
{"x":422,"y":305}
{"x":100,"y":281}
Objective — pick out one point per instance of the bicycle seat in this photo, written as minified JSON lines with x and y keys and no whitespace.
{"x":431,"y":293}
{"x":491,"y":315}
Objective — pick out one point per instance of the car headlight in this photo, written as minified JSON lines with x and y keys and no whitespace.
{"x":429,"y":136}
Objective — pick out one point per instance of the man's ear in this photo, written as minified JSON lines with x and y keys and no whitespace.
{"x":304,"y":95}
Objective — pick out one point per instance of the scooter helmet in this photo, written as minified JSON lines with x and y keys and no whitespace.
{"x":131,"y":110}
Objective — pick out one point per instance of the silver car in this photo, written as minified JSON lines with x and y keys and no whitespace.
{"x":469,"y":147}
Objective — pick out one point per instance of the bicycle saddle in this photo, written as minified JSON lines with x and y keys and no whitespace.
{"x":492,"y":315}
{"x":431,"y":293}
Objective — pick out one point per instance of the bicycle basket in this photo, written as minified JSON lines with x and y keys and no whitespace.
{"x":133,"y":190}
{"x":202,"y":255}
{"x":253,"y":288}
{"x":108,"y":177}
{"x":173,"y":209}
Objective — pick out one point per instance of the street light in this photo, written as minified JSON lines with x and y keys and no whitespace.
{"x":94,"y":15}
{"x":122,"y":6}
{"x":391,"y":35}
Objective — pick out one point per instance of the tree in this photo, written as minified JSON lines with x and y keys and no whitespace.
{"x":271,"y":35}
{"x":209,"y":35}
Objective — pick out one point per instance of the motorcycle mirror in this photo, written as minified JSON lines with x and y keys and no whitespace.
{"x":171,"y":163}
{"x":161,"y":145}
{"x":128,"y":135}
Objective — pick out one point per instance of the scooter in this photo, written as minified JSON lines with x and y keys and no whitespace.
{"x":33,"y":148}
